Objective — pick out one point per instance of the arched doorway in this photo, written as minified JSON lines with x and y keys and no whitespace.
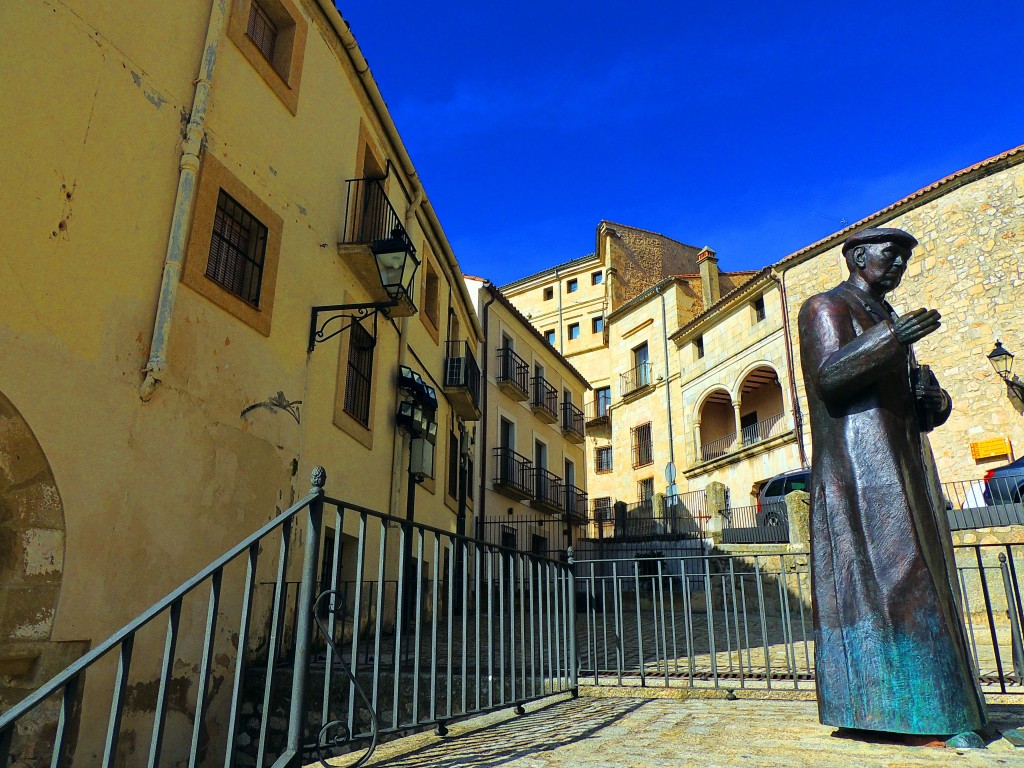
{"x":762,"y":413}
{"x":717,"y":430}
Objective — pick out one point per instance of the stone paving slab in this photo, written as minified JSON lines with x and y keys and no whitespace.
{"x":620,"y":732}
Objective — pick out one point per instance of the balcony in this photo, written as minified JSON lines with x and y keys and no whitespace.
{"x":549,"y":490}
{"x":513,"y":474}
{"x":576,"y":503}
{"x":635,"y":380}
{"x":544,"y":402}
{"x":762,"y":430}
{"x":572,"y":423}
{"x":462,"y":380}
{"x":598,"y":415}
{"x":513,"y":374}
{"x":372,"y":228}
{"x":717,"y":448}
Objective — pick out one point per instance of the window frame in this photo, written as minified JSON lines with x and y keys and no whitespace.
{"x":549,"y":336}
{"x":367,"y":344}
{"x":548,"y":293}
{"x":597,"y":324}
{"x":573,"y":328}
{"x":214,"y":177}
{"x":597,"y":278}
{"x":600,"y":467}
{"x":642,"y":458}
{"x":284,"y":74}
{"x":757,"y":307}
{"x":572,"y":285}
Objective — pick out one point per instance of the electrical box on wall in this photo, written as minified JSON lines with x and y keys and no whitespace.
{"x":989,"y":449}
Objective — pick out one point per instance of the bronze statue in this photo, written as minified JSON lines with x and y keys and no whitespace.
{"x":891,"y":650}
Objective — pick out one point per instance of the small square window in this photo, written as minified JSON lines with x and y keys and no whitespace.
{"x":262,"y":30}
{"x":571,"y":286}
{"x":574,"y":331}
{"x":549,"y":337}
{"x":603,"y":459}
{"x":698,"y":347}
{"x":237,"y":250}
{"x":597,"y":325}
{"x":596,"y":278}
{"x":549,"y":293}
{"x":271,"y":34}
{"x":759,"y":311}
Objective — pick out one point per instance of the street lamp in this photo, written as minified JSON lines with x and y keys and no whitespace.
{"x":1002,"y":363}
{"x":396,"y":267}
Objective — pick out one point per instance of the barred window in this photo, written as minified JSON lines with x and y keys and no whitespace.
{"x":237,"y":250}
{"x":359,"y":375}
{"x":262,"y":30}
{"x":643,"y":450}
{"x":603,"y":508}
{"x":603,"y":459}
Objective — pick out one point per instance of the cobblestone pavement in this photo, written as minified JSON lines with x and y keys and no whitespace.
{"x":628,"y":732}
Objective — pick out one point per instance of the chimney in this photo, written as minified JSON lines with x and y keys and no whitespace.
{"x":708,"y":263}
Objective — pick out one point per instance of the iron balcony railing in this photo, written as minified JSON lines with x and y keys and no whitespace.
{"x":544,"y":398}
{"x":372,"y":220}
{"x":513,"y":370}
{"x":461,"y":370}
{"x":762,"y":430}
{"x":635,"y":379}
{"x":466,"y":627}
{"x":601,"y":509}
{"x":717,"y":448}
{"x":761,"y":524}
{"x":513,"y":471}
{"x":549,"y":489}
{"x":572,"y":419}
{"x":576,"y":502}
{"x":597,"y":409}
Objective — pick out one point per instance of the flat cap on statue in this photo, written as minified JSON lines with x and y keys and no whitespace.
{"x":879,"y":235}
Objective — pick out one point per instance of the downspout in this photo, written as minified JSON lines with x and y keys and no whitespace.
{"x":558,"y":288}
{"x":668,"y":388}
{"x":191,"y":146}
{"x":481,"y":496}
{"x":788,"y":341}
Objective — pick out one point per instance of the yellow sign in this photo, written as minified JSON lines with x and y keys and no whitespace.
{"x":987,"y":449}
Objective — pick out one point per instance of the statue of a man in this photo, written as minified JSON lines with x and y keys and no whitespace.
{"x":891,"y":650}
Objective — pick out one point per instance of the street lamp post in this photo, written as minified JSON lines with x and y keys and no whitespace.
{"x":1002,"y":362}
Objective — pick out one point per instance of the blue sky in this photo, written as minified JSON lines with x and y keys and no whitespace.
{"x":754,"y":128}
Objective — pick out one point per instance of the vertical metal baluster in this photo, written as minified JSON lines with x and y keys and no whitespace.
{"x":711,"y":620}
{"x":476,"y":599}
{"x":450,"y":610}
{"x":490,"y":628}
{"x":688,"y":626}
{"x":243,"y":634}
{"x":570,"y":621}
{"x":433,"y":627}
{"x":787,"y":628}
{"x":512,"y":624}
{"x":166,"y":667}
{"x":203,"y":681}
{"x":763,"y":617}
{"x":378,"y":626}
{"x":124,"y":663}
{"x":403,"y":533}
{"x":639,"y":623}
{"x":655,"y":635}
{"x":672,"y":614}
{"x":746,"y":624}
{"x":543,"y":637}
{"x":991,"y":622}
{"x":620,"y":650}
{"x":59,"y":755}
{"x":604,"y":614}
{"x":275,"y":626}
{"x":465,"y":622}
{"x":521,"y":565}
{"x":417,"y":619}
{"x":533,"y":625}
{"x":664,"y":636}
{"x":357,"y":619}
{"x":556,"y":632}
{"x":736,"y":622}
{"x":332,"y":614}
{"x":1018,"y":604}
{"x":803,"y":621}
{"x":970,"y":622}
{"x":501,"y":625}
{"x":592,"y":616}
{"x":1016,"y":645}
{"x":725,"y":615}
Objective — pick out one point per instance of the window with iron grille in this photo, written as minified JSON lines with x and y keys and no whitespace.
{"x":453,"y":465}
{"x":645,"y":489}
{"x":238,"y":247}
{"x":262,"y":30}
{"x":603,"y":508}
{"x":603,"y":459}
{"x":359,"y":374}
{"x":643,"y":450}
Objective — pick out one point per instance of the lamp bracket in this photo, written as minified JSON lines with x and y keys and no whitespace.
{"x":353,"y":313}
{"x":1015,"y":384}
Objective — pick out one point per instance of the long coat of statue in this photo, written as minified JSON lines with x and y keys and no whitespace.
{"x":891,"y":650}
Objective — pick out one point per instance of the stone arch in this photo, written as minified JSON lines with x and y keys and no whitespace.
{"x":715,"y":421}
{"x":762,"y":402}
{"x":32,"y":534}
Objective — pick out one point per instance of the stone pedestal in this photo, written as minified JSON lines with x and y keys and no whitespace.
{"x":716,"y":504}
{"x":798,"y":509}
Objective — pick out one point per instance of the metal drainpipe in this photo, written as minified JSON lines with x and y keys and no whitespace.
{"x":668,"y":389}
{"x":788,"y":342}
{"x":481,"y":500}
{"x":191,"y":146}
{"x":559,"y":289}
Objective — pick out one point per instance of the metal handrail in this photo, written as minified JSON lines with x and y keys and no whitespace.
{"x":576,"y":502}
{"x":635,"y":378}
{"x":762,"y":430}
{"x":545,"y":396}
{"x":717,"y":448}
{"x":598,"y":407}
{"x":512,"y":368}
{"x":548,"y":487}
{"x":513,"y":470}
{"x":572,"y":418}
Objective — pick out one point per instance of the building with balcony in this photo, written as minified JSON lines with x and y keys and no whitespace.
{"x":532,"y":481}
{"x":268,"y":304}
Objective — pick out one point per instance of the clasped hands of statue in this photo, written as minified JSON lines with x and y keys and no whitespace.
{"x":914,"y":326}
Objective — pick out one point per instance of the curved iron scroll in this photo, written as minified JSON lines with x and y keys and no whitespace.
{"x":354,"y":315}
{"x":343,"y":736}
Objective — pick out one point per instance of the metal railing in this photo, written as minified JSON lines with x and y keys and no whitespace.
{"x":635,"y":379}
{"x":461,"y":627}
{"x":577,"y":502}
{"x":512,"y":369}
{"x":537,"y":533}
{"x":371,"y":219}
{"x":597,"y":409}
{"x":549,"y":489}
{"x":761,"y":524}
{"x":717,"y":448}
{"x":513,"y":471}
{"x":544,"y":397}
{"x":572,"y":419}
{"x":737,"y":621}
{"x":762,"y":430}
{"x":643,"y":445}
{"x":976,"y":504}
{"x":461,"y":369}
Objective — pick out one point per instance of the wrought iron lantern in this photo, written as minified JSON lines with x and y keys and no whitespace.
{"x":1002,"y":363}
